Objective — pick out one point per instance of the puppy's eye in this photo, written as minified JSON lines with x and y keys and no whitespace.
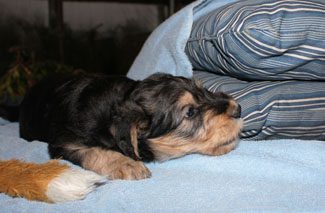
{"x":190,"y":112}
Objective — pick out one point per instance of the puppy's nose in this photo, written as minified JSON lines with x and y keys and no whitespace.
{"x":234,"y":109}
{"x":237,"y":112}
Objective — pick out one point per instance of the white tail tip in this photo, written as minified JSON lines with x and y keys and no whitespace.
{"x":73,"y":184}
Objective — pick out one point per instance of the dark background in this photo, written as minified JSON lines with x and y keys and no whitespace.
{"x":32,"y":48}
{"x":93,"y":49}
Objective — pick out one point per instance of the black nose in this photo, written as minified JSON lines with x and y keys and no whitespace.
{"x":237,"y":112}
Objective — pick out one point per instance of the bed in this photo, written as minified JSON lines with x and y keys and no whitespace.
{"x":279,"y":164}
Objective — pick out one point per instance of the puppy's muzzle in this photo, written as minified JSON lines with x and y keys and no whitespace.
{"x":237,"y":112}
{"x":234,"y":109}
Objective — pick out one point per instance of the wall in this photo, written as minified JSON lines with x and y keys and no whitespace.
{"x":109,"y":48}
{"x":85,"y":15}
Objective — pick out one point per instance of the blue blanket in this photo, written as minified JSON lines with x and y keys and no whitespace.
{"x":272,"y":176}
{"x":164,"y":49}
{"x":258,"y":176}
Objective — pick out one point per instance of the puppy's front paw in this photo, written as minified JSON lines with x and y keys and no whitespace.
{"x":114,"y":165}
{"x":129,"y":170}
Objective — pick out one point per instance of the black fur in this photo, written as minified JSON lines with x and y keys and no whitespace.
{"x":83,"y":109}
{"x":10,"y":113}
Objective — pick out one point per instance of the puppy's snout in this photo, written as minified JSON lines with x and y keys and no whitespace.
{"x":237,"y":112}
{"x":234,"y":109}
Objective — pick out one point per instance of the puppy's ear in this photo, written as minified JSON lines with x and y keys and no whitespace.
{"x":126,"y":138}
{"x":138,"y":129}
{"x":134,"y":140}
{"x":128,"y":128}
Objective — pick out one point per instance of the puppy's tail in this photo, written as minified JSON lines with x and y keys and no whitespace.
{"x":51,"y":182}
{"x":10,"y":113}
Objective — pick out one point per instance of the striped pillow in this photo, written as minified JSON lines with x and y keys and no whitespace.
{"x":261,"y":40}
{"x":274,"y":109}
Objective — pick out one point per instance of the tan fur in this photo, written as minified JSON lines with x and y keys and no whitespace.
{"x":113,"y":130}
{"x":134,"y":136}
{"x":232,"y":107}
{"x":216,"y":137}
{"x":29,"y":180}
{"x":134,"y":140}
{"x":186,"y":99}
{"x":111,"y":164}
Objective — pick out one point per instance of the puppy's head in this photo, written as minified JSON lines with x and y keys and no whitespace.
{"x":182,"y":118}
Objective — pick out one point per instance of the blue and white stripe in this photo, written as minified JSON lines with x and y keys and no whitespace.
{"x":261,"y":40}
{"x":274,"y":109}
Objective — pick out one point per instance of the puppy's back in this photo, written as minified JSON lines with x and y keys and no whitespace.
{"x":62,"y":101}
{"x":35,"y":107}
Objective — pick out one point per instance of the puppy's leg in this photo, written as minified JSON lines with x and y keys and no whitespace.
{"x":111,"y":164}
{"x":114,"y":165}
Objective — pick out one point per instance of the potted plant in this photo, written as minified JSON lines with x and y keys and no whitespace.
{"x":23,"y":73}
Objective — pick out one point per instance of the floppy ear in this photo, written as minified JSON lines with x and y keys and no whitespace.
{"x":129,"y":128}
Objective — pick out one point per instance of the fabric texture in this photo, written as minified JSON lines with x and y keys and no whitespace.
{"x":274,"y":109}
{"x":264,"y":176}
{"x":261,"y":40}
{"x":164,"y":49}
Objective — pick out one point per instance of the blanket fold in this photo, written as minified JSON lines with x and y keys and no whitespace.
{"x":164,"y":49}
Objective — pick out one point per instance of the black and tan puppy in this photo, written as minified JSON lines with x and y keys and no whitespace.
{"x":111,"y":124}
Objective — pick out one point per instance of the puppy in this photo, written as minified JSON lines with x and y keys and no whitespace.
{"x":111,"y":125}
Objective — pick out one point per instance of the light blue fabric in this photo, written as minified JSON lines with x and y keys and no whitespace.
{"x":265,"y":176}
{"x":164,"y":49}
